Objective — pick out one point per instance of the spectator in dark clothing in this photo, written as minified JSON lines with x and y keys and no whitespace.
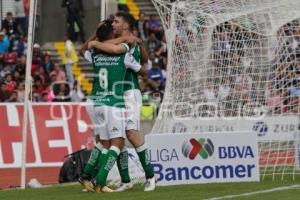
{"x":22,"y":46}
{"x":21,"y":66}
{"x":74,"y":19}
{"x":153,"y":43}
{"x":4,"y":94}
{"x":13,"y":97}
{"x":37,"y":55}
{"x":9,"y":25}
{"x":62,"y":92}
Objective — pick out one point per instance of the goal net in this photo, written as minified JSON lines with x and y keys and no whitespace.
{"x":234,"y":66}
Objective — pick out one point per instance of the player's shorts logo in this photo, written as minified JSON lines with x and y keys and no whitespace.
{"x":202,"y":147}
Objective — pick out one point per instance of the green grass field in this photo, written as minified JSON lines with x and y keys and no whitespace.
{"x":189,"y":192}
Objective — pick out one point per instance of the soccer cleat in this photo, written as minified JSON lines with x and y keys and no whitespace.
{"x":89,"y":185}
{"x":97,"y":189}
{"x":106,"y":189}
{"x":83,"y":178}
{"x":150,"y":184}
{"x":124,"y":186}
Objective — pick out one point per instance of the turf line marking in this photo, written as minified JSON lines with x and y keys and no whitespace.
{"x":256,"y":192}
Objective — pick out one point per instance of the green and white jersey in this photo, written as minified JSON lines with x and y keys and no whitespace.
{"x":132,"y":76}
{"x":109,"y":72}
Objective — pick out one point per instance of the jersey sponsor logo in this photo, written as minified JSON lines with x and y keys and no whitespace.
{"x":106,"y":60}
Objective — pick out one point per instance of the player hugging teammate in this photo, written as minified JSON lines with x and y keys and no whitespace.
{"x":116,"y":55}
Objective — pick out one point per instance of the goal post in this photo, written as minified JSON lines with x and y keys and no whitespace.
{"x":234,"y":66}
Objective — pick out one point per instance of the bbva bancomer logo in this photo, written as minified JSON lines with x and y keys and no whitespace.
{"x":231,"y":162}
{"x":202,"y":147}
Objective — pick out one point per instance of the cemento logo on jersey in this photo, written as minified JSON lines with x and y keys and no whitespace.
{"x":261,"y":128}
{"x":202,"y":147}
{"x":100,"y":59}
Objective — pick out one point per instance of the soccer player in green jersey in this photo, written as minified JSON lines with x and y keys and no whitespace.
{"x":123,"y":25}
{"x":108,"y":97}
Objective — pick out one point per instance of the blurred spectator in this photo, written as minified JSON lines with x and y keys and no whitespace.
{"x":22,"y":46}
{"x":142,"y":27}
{"x":4,"y":44}
{"x":21,"y":18}
{"x":21,"y":92}
{"x":295,"y":93}
{"x":21,"y":66}
{"x":274,"y":102}
{"x":60,"y":75}
{"x":38,"y":85}
{"x":4,"y":94}
{"x":9,"y":25}
{"x":70,"y":57}
{"x":10,"y":59}
{"x":75,"y":12}
{"x":48,"y":64}
{"x":155,"y":76}
{"x":62,"y":92}
{"x":162,"y":50}
{"x":43,"y":76}
{"x":153,"y":43}
{"x":122,"y":5}
{"x":18,"y":77}
{"x":76,"y":93}
{"x":10,"y":84}
{"x":153,"y":25}
{"x":44,"y":96}
{"x":37,"y":55}
{"x":13,"y":97}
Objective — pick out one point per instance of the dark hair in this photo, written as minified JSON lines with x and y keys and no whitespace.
{"x":128,"y":18}
{"x":105,"y":30}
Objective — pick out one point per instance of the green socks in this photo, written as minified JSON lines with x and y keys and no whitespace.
{"x":144,"y":159}
{"x":122,"y":163}
{"x":108,"y":163}
{"x":93,"y":160}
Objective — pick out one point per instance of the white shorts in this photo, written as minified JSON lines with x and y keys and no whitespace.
{"x":133,"y":103}
{"x":109,"y":122}
{"x":91,"y":113}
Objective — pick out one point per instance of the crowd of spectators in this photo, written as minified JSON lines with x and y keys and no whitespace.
{"x":13,"y":46}
{"x":239,"y":75}
{"x":44,"y":72}
{"x":243,"y":74}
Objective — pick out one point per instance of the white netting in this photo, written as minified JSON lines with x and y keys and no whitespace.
{"x":234,"y":65}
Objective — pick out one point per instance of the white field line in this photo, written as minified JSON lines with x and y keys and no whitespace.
{"x":256,"y":192}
